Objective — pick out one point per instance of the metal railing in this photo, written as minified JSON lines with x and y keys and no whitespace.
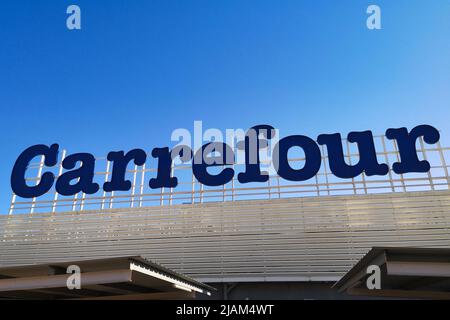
{"x":190,"y":191}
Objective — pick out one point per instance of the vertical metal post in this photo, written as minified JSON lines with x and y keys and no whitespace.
{"x":444,"y":163}
{"x":279,"y":187}
{"x":133,"y":187}
{"x":161,"y":201}
{"x":75,"y":201}
{"x":402,"y":180}
{"x":424,"y":153}
{"x":386,"y":159}
{"x":60,"y":170}
{"x":193,"y":189}
{"x":223,"y":193}
{"x":142,"y":185}
{"x":108,"y":164}
{"x":172,"y":170}
{"x":201,"y":192}
{"x":38,"y":180}
{"x":111,"y":200}
{"x":13,"y":201}
{"x":232,"y":183}
{"x":83,"y":198}
{"x":317,"y":186}
{"x":349,"y":156}
{"x":324,"y":158}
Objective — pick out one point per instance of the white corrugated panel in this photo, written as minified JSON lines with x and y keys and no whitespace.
{"x":296,"y":239}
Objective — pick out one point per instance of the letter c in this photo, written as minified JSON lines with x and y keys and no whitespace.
{"x":18,"y":182}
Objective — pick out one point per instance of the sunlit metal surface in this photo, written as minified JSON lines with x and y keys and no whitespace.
{"x":295,"y":239}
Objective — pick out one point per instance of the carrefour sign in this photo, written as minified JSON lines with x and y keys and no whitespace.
{"x":80,"y":167}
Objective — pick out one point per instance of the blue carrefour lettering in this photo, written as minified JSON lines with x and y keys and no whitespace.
{"x":80,"y":167}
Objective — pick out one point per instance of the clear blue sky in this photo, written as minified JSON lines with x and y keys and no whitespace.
{"x":139,"y":69}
